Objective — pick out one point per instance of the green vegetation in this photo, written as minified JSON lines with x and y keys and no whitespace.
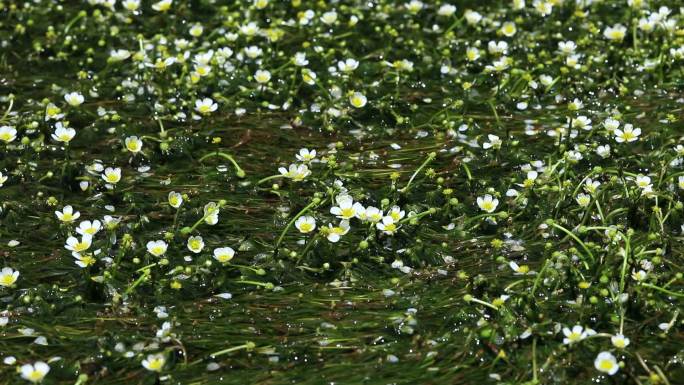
{"x":341,"y":192}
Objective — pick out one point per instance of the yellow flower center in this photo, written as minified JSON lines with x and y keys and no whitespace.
{"x":35,"y":375}
{"x":88,"y":260}
{"x":7,"y":280}
{"x":133,"y":146}
{"x":348,"y":212}
{"x":357,"y":101}
{"x":606,"y":365}
{"x":156,"y":364}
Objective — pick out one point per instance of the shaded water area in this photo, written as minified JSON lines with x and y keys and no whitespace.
{"x":458,"y":295}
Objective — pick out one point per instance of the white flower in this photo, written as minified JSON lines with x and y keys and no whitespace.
{"x":73,"y":244}
{"x":262,"y":76}
{"x":346,"y":208}
{"x":357,"y":100}
{"x":84,"y":260}
{"x":74,"y":99}
{"x":590,"y":185}
{"x":472,"y":17}
{"x":611,"y":124}
{"x":89,"y":228}
{"x":639,"y":275}
{"x":396,"y":213}
{"x":582,"y":122}
{"x":348,"y":65}
{"x":518,"y":4}
{"x":196,"y":30}
{"x":575,"y":105}
{"x":195,"y":244}
{"x":211,"y":212}
{"x":305,"y":155}
{"x":680,"y":182}
{"x":295,"y":172}
{"x":224,"y":254}
{"x":52,"y":112}
{"x":308,"y":76}
{"x":119,"y":54}
{"x":627,"y":134}
{"x":494,"y":142}
{"x":387,"y":226}
{"x":414,"y":6}
{"x":8,"y":276}
{"x":619,"y":341}
{"x":63,"y":134}
{"x":575,"y":335}
{"x":583,"y":199}
{"x":472,"y":53}
{"x":329,"y":17}
{"x":162,"y":6}
{"x":133,"y":144}
{"x":8,"y":134}
{"x":305,"y":224}
{"x":487,"y":203}
{"x":335,"y":232}
{"x":205,"y":106}
{"x":157,"y":248}
{"x":300,"y":59}
{"x":519,"y":270}
{"x":615,"y":33}
{"x":131,"y":5}
{"x":497,"y":48}
{"x":509,"y":29}
{"x":544,"y":7}
{"x":603,"y":151}
{"x":545,"y":80}
{"x":3,"y":179}
{"x":567,"y":47}
{"x":498,"y":65}
{"x":253,"y":52}
{"x":67,"y":214}
{"x":643,"y":181}
{"x":446,"y":10}
{"x":250,"y":29}
{"x":175,"y":199}
{"x":373,"y":214}
{"x":154,"y":362}
{"x":112,"y":175}
{"x":605,"y":362}
{"x":35,"y":372}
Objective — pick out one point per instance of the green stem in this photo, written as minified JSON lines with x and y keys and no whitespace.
{"x":573,"y":236}
{"x":313,"y":203}
{"x":138,"y":281}
{"x":268,"y":178}
{"x":238,"y":170}
{"x":660,"y":289}
{"x":430,"y":157}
